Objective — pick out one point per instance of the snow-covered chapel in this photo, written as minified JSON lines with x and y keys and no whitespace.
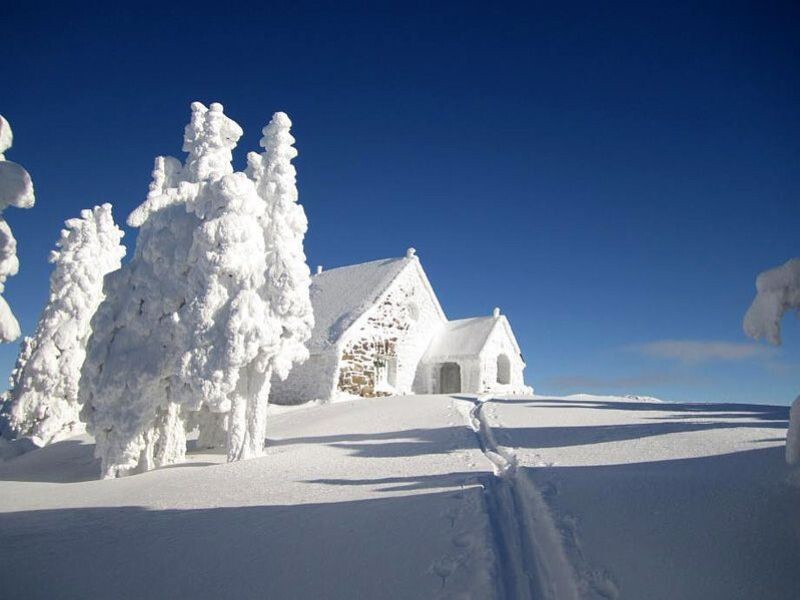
{"x":380,"y":330}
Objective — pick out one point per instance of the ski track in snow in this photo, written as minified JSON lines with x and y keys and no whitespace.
{"x":531,"y":556}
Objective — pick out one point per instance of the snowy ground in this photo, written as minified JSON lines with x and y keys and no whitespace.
{"x":363,"y":499}
{"x":396,"y":498}
{"x":663,"y":500}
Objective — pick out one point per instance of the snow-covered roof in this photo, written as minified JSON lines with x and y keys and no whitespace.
{"x":340,"y":296}
{"x":464,"y":337}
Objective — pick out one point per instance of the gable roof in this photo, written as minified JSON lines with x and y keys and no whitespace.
{"x":466,"y":337}
{"x":341,"y":296}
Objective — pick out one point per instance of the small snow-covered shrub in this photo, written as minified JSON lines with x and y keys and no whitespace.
{"x":16,"y":189}
{"x":43,"y":399}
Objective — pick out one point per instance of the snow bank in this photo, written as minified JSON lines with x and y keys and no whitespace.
{"x":606,"y":398}
{"x":43,"y":400}
{"x":214,"y":301}
{"x":16,"y":189}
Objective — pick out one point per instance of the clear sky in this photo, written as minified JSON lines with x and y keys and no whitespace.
{"x":613,"y":177}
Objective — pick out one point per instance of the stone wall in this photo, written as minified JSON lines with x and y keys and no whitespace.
{"x":358,"y":367}
{"x":399,"y":328}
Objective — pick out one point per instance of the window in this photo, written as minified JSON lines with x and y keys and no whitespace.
{"x":503,"y":369}
{"x":450,"y":378}
{"x":385,"y":373}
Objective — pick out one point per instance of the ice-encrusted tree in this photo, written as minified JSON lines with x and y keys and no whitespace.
{"x":16,"y":189}
{"x":43,"y":400}
{"x":251,"y":304}
{"x":188,"y":336}
{"x":778,"y":292}
{"x":133,"y":401}
{"x":288,"y":275}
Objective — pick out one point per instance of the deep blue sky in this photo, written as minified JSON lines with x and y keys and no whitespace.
{"x":612,"y":176}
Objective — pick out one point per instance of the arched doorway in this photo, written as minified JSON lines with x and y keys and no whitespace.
{"x":450,"y":378}
{"x":503,"y":369}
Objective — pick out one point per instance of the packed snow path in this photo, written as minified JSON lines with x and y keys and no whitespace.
{"x":532,"y":563}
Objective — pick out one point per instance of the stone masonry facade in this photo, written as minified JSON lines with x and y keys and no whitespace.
{"x":376,"y":341}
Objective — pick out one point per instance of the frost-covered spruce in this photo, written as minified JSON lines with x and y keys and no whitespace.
{"x":134,"y":403}
{"x":188,"y":335}
{"x":43,"y":401}
{"x":286,"y":282}
{"x":228,"y":313}
{"x":16,"y":189}
{"x":778,"y":292}
{"x":288,"y":276}
{"x":251,"y":304}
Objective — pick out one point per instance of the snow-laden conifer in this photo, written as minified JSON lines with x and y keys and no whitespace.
{"x":251,"y":307}
{"x":286,"y":312}
{"x":189,"y":336}
{"x":43,"y":400}
{"x":16,"y":189}
{"x":227,"y":313}
{"x":778,"y":292}
{"x":134,"y":403}
{"x":288,"y":276}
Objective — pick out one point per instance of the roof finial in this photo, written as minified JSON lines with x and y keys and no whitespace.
{"x":496,"y":312}
{"x":411,"y":253}
{"x":319,"y":269}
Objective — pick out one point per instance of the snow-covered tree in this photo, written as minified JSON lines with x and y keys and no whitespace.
{"x":188,"y":336}
{"x":288,"y":275}
{"x":16,"y":189}
{"x":778,"y":291}
{"x":132,"y":399}
{"x":251,"y":302}
{"x":43,"y":400}
{"x":227,"y":312}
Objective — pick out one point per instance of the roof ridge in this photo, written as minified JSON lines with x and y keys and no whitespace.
{"x":369,"y":262}
{"x":341,"y":296}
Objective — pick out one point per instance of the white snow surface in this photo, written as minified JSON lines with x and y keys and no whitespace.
{"x":214,"y":301}
{"x":426,"y":497}
{"x":462,"y":337}
{"x":16,"y":189}
{"x":352,"y":500}
{"x":662,"y":500}
{"x":43,"y":399}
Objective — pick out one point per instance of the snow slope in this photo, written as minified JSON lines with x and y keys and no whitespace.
{"x":662,"y":500}
{"x":362,"y":499}
{"x":426,"y":497}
